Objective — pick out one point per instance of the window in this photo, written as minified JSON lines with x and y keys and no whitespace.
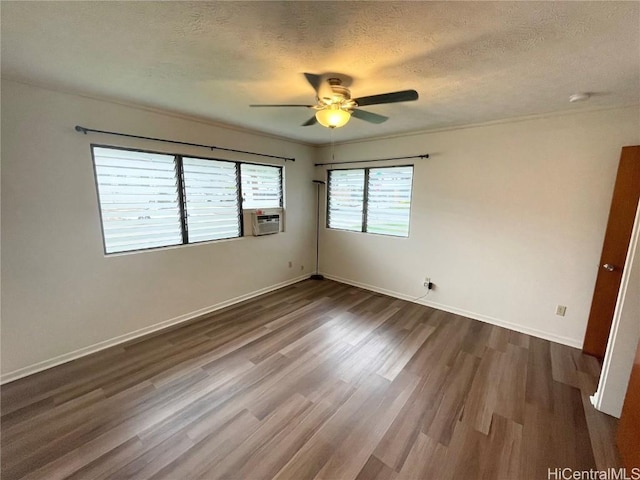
{"x":261,"y":186}
{"x":211,"y":199}
{"x":150,"y":200}
{"x":372,"y":200}
{"x":389,"y":201}
{"x":346,"y":199}
{"x":138,"y":199}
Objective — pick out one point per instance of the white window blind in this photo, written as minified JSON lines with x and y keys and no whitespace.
{"x":150,"y":200}
{"x":261,"y":186}
{"x":346,"y":199}
{"x":389,"y":200}
{"x":138,"y":199}
{"x":211,"y":199}
{"x":386,"y":200}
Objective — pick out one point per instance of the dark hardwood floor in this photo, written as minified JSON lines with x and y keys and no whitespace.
{"x":316,"y":380}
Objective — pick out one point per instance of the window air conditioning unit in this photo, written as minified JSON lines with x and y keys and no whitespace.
{"x":265,"y":224}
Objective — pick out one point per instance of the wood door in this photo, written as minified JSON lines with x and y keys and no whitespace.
{"x":614,"y":251}
{"x":628,"y":436}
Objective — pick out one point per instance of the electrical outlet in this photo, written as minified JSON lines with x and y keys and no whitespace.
{"x":301,"y":267}
{"x":290,"y":264}
{"x":427,"y":281}
{"x":561,"y":310}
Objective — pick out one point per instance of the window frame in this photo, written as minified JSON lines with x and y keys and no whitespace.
{"x":281,"y":192}
{"x":181,"y":191}
{"x":183,"y":198}
{"x":365,"y":200}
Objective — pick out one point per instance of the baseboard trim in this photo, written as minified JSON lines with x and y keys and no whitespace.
{"x":83,"y":352}
{"x":572,"y":342}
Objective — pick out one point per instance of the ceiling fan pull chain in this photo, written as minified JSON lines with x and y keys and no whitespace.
{"x":333,"y":147}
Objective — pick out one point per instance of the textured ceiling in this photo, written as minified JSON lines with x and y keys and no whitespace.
{"x":470,"y":61}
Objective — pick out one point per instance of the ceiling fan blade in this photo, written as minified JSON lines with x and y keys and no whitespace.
{"x":314,"y":80}
{"x":368,"y":116}
{"x":393,"y":97}
{"x":311,"y":121}
{"x":282,"y":105}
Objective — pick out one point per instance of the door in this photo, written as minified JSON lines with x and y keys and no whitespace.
{"x":628,"y":436}
{"x":614,"y":251}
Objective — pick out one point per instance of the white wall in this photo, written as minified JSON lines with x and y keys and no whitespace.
{"x":60,"y":294}
{"x":507,"y":219}
{"x":625,"y":333}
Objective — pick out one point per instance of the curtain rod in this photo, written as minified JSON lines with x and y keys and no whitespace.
{"x":426,"y":155}
{"x":85,"y":130}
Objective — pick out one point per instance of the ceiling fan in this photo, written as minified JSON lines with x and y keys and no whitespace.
{"x":334,"y":105}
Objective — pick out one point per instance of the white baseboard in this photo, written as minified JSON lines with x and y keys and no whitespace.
{"x":82,"y":352}
{"x":572,"y":342}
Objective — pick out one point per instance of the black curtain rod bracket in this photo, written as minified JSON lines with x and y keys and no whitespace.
{"x":425,"y":155}
{"x":86,"y":130}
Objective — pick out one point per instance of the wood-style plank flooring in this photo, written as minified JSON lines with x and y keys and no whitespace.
{"x":316,"y":380}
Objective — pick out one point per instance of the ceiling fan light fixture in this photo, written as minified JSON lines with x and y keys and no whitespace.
{"x":333,"y":116}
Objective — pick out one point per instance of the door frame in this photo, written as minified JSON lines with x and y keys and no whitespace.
{"x":608,"y":384}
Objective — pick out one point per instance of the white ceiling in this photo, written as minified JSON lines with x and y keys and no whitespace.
{"x":470,"y":61}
